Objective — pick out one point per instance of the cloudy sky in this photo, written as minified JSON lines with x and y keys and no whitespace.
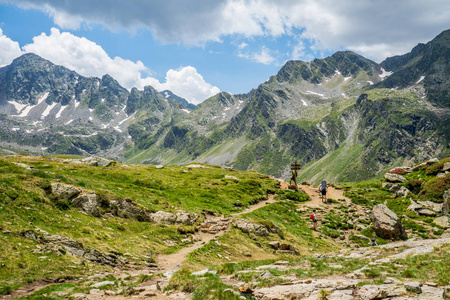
{"x":197,"y":48}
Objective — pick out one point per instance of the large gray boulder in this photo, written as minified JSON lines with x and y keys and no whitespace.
{"x":98,"y":161}
{"x":64,"y":191}
{"x":386,"y":223}
{"x":395,"y":178}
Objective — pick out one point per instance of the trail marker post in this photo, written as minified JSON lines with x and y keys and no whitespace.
{"x":294,"y":167}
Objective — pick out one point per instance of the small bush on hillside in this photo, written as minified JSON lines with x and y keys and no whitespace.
{"x":45,"y":185}
{"x":294,"y":196}
{"x":398,"y":171}
{"x":414,"y":185}
{"x":434,"y":169}
{"x":434,"y":189}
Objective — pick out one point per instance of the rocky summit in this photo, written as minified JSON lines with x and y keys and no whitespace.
{"x":343,"y":117}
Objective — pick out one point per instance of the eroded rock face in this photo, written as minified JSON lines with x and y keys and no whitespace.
{"x":386,"y":223}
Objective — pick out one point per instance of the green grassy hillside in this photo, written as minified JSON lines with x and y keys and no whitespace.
{"x":31,"y":216}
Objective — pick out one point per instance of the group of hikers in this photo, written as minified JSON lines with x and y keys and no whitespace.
{"x":323,"y":194}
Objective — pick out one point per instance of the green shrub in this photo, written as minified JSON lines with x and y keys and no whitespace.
{"x":330,"y":232}
{"x":434,"y":189}
{"x":398,"y":171}
{"x":414,"y":185}
{"x":434,"y":169}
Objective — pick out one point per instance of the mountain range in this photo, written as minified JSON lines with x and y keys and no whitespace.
{"x":343,"y":117}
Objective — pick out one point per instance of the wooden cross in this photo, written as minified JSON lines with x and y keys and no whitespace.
{"x":295,"y":166}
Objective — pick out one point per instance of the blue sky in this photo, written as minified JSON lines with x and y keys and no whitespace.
{"x":198,"y":48}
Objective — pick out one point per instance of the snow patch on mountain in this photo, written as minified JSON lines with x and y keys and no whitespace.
{"x":384,"y":74}
{"x":48,"y":109}
{"x":17,"y":106}
{"x":58,"y":114}
{"x":314,"y":93}
{"x":421,"y":78}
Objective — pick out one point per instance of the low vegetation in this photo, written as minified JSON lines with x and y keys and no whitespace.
{"x":26,"y":203}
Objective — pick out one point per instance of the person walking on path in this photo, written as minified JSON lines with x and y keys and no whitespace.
{"x":293,"y":177}
{"x":314,"y":219}
{"x":323,"y":191}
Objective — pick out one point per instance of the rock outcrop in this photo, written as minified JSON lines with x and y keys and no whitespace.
{"x":65,"y":191}
{"x":174,"y":218}
{"x":257,"y":229}
{"x":64,"y":245}
{"x":426,"y":208}
{"x":395,"y":178}
{"x":386,"y":223}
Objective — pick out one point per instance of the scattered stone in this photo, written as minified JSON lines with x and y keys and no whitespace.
{"x":446,"y":167}
{"x":442,"y":221}
{"x":429,"y":283}
{"x":159,"y":166}
{"x":386,"y":224}
{"x":402,"y":192}
{"x":231,"y":177}
{"x":446,"y":234}
{"x":275,"y":245}
{"x":257,"y":229}
{"x":102,"y":284}
{"x":429,"y":293}
{"x":382,"y":291}
{"x":22,"y":165}
{"x":413,"y":287}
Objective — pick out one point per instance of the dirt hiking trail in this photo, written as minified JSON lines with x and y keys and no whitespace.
{"x":214,"y":226}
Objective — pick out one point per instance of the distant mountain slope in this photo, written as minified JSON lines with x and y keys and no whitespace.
{"x":343,"y":117}
{"x":45,"y":107}
{"x":169,"y":95}
{"x":429,"y":63}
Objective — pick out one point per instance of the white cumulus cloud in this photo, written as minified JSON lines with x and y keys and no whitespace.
{"x":185,"y":82}
{"x":263,"y":57}
{"x":9,"y":50}
{"x":376,"y":29}
{"x":89,"y":59}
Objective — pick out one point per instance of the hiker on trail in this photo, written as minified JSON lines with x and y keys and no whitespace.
{"x":373,"y":243}
{"x":314,"y":219}
{"x":293,"y":177}
{"x":323,"y":191}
